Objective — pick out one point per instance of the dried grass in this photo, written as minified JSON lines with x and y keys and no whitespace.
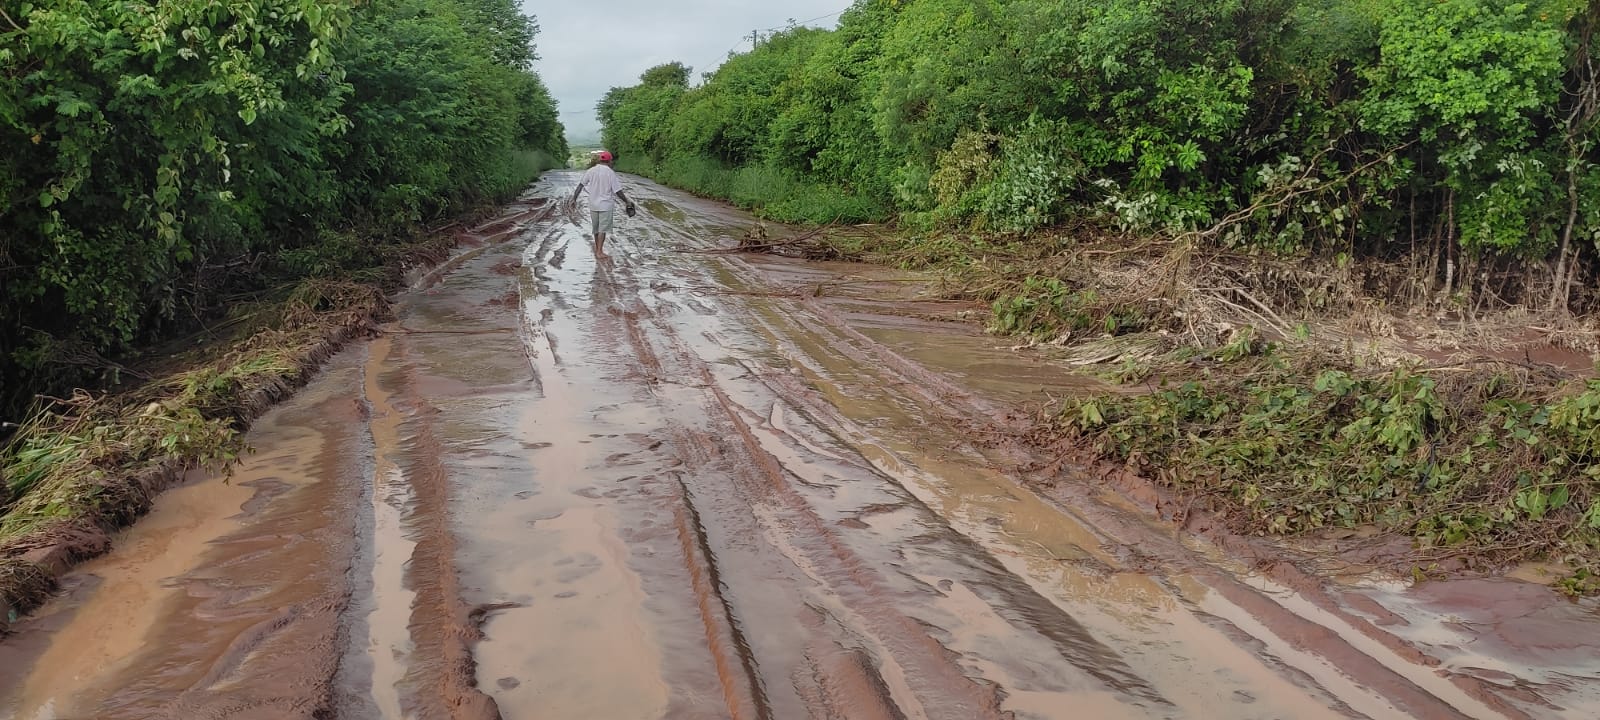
{"x":1239,"y":323}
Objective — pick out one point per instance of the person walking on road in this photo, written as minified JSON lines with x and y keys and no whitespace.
{"x":604,"y":189}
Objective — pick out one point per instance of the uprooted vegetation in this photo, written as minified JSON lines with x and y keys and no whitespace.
{"x":91,"y":464}
{"x":1283,"y":396}
{"x":1486,"y":464}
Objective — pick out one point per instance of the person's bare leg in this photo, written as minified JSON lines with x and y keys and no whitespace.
{"x":600,"y":245}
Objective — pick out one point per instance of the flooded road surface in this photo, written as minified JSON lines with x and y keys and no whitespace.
{"x":684,"y":484}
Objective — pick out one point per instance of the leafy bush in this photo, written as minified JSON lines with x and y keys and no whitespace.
{"x":1032,"y":182}
{"x":1365,"y":126}
{"x":122,"y":219}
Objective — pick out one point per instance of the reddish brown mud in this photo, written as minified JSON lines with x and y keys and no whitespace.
{"x":689,"y":485}
{"x":226,"y":601}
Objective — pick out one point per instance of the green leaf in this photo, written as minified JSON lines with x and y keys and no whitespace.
{"x":72,"y":106}
{"x":1559,"y":497}
{"x":1090,"y":416}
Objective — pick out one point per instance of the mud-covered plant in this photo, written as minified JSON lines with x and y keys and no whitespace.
{"x":1038,"y":306}
{"x":1470,"y":462}
{"x":62,"y":459}
{"x":1582,"y":581}
{"x":1047,"y":307}
{"x":77,"y":460}
{"x":1244,"y":342}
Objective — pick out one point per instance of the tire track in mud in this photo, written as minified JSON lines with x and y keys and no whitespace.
{"x":441,"y":673}
{"x":586,"y":496}
{"x":931,"y":684}
{"x":742,"y":687}
{"x":1406,"y":679}
{"x":742,"y":679}
{"x":1297,"y":634}
{"x":1074,"y":642}
{"x":615,"y":321}
{"x":426,"y":667}
{"x":934,"y":685}
{"x":388,"y":600}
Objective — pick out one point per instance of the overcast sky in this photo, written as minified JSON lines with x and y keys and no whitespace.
{"x":587,"y":47}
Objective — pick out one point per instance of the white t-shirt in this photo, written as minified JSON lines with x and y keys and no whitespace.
{"x":602,"y":185}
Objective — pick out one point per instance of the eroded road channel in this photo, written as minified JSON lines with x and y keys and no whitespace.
{"x":690,"y":484}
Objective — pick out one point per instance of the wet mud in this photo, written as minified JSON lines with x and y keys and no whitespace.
{"x":225,"y":602}
{"x":690,"y":485}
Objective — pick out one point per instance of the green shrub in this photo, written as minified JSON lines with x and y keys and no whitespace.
{"x":1349,"y":125}
{"x":116,"y":211}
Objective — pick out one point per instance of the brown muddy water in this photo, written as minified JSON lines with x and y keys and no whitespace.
{"x":689,"y":485}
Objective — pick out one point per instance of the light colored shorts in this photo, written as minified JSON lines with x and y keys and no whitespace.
{"x":603,"y":220}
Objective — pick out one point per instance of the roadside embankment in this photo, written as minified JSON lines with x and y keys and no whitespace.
{"x":87,"y":465}
{"x":1300,"y":398}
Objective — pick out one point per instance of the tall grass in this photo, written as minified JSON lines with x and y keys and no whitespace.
{"x":520,"y":168}
{"x":769,"y":191}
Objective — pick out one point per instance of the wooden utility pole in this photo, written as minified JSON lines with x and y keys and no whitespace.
{"x":755,"y":38}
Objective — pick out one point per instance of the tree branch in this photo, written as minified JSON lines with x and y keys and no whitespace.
{"x":13,"y":22}
{"x":1262,"y":204}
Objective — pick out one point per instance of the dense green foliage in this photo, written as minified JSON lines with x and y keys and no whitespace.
{"x":1465,"y":129}
{"x":1256,"y":159}
{"x":158,"y":155}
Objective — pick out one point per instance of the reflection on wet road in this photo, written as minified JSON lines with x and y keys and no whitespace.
{"x":686,"y":485}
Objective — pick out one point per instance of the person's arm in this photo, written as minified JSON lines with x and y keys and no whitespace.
{"x":576,"y":192}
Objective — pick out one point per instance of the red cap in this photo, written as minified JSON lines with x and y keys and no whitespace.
{"x":605,"y":156}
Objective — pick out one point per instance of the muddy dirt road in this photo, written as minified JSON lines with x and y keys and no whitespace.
{"x":694,"y":485}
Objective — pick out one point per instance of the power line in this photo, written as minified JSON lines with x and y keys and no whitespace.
{"x":812,"y":20}
{"x":754,"y":38}
{"x":796,"y":24}
{"x":724,"y":56}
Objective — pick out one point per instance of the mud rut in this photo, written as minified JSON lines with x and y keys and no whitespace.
{"x":670,"y":486}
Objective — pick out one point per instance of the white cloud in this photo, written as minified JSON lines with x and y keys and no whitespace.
{"x":587,"y":48}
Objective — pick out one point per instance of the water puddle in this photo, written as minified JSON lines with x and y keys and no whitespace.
{"x":222,"y":578}
{"x":1517,"y":636}
{"x":112,"y":618}
{"x":388,"y":617}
